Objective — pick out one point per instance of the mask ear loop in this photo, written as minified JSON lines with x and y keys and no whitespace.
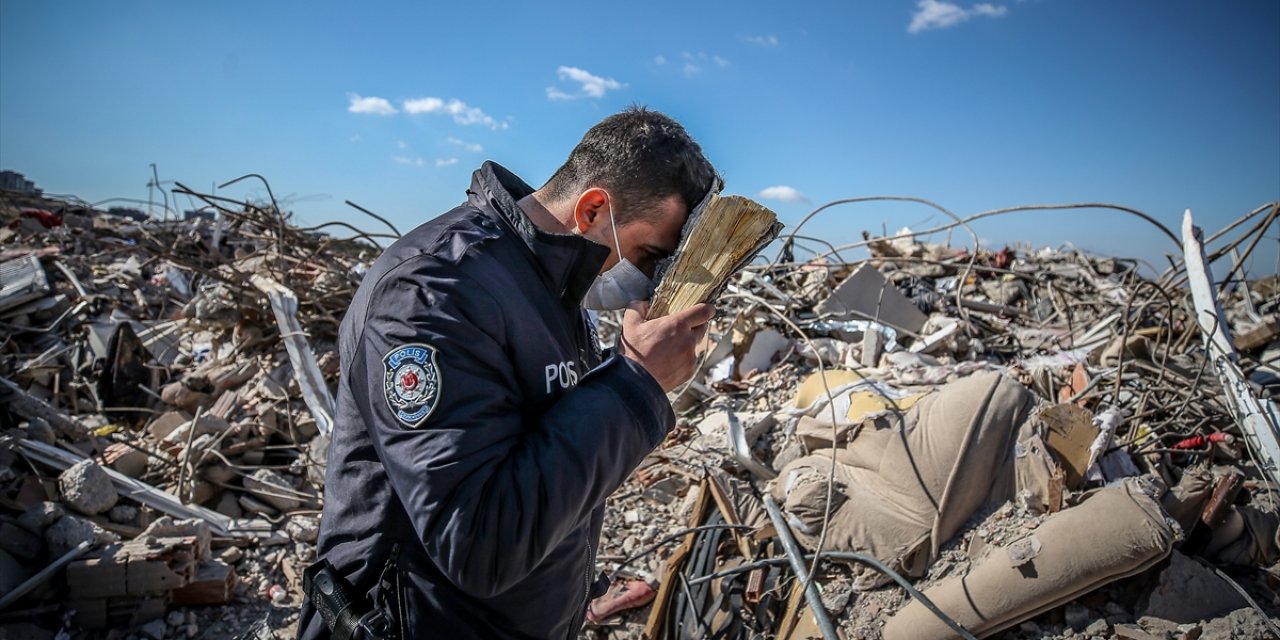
{"x":613,"y":223}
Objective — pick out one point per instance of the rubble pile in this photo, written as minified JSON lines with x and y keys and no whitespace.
{"x":1035,"y":443}
{"x":167,"y":393}
{"x":1042,"y":441}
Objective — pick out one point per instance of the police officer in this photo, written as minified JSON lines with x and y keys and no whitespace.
{"x":479,"y":427}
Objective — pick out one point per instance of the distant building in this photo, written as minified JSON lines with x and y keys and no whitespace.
{"x":14,"y":181}
{"x":206,"y":214}
{"x":128,"y":212}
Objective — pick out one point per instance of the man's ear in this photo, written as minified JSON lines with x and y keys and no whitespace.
{"x":590,"y":209}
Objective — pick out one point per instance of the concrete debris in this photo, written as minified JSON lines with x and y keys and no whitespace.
{"x":272,"y":488}
{"x":86,"y":488}
{"x":1186,"y":591}
{"x":1048,"y":444}
{"x":69,"y":531}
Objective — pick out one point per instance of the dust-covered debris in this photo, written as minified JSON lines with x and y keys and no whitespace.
{"x":166,"y":388}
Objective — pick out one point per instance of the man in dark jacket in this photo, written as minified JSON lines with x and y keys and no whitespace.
{"x":479,"y":427}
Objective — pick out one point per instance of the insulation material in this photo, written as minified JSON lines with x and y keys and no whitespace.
{"x":904,"y":488}
{"x":1122,"y":526}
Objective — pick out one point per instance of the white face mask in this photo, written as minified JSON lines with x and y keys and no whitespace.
{"x":620,"y":285}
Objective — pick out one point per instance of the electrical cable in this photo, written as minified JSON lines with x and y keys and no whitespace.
{"x":854,"y":557}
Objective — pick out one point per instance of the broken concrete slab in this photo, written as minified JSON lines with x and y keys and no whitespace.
{"x":867,"y":295}
{"x":273,"y":488}
{"x":69,"y":531}
{"x":86,"y":488}
{"x":1186,"y":591}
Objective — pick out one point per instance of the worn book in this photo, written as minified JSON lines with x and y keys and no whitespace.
{"x":718,"y":240}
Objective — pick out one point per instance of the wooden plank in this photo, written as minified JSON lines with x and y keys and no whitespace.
{"x":1259,"y":336}
{"x":658,"y":614}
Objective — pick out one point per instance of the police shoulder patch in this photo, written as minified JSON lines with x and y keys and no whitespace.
{"x":411,"y":382}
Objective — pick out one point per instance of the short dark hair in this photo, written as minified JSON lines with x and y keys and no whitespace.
{"x":641,"y":157}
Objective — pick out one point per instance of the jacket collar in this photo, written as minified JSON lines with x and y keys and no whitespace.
{"x":568,"y":262}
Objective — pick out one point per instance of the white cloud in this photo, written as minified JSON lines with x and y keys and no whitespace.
{"x":589,"y":84}
{"x":405,"y":160}
{"x":355,"y":138}
{"x":469,"y":146}
{"x":940,"y":14}
{"x":695,"y":63}
{"x":465,"y":115}
{"x":763,"y":41}
{"x":462,"y":113}
{"x":988,"y":9}
{"x":444,"y":162}
{"x":556,"y":94}
{"x":402,"y":144}
{"x":782,"y":193}
{"x":372,"y":104}
{"x":423,"y":105}
{"x":660,"y":60}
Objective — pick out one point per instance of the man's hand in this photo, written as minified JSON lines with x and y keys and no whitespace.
{"x":664,"y":346}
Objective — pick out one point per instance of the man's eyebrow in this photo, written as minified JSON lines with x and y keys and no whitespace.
{"x":661,"y":251}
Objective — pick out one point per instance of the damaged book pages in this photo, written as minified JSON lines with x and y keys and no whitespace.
{"x":716,"y":243}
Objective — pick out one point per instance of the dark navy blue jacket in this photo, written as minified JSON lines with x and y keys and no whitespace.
{"x":476,"y":427}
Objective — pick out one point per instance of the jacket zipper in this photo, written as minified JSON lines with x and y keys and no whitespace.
{"x":586,"y":590}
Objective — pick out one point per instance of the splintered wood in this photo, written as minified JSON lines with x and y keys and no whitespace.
{"x":727,"y":235}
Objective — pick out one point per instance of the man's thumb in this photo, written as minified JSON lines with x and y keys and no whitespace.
{"x":635,"y":313}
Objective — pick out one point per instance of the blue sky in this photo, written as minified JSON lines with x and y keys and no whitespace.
{"x":1159,"y":106}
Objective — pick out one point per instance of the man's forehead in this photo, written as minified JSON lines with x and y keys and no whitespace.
{"x":687,"y":216}
{"x":670,"y":224}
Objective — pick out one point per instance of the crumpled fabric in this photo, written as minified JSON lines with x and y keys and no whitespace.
{"x":1248,"y":537}
{"x":904,"y":486}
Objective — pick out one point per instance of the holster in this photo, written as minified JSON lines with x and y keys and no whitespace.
{"x":348,"y":615}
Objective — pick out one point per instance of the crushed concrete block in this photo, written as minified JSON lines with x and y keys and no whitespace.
{"x":184,"y":397}
{"x":1098,"y":627}
{"x":231,"y":555}
{"x":169,"y":527}
{"x":87,"y":488}
{"x":1134,"y":632}
{"x":100,"y":577}
{"x":19,"y":542}
{"x":303,"y":528}
{"x":273,"y":488}
{"x":213,"y":583}
{"x":126,"y":459}
{"x":251,"y":505}
{"x":1186,"y":592}
{"x":206,"y":425}
{"x":122,"y":514}
{"x":39,"y":517}
{"x":164,"y":424}
{"x":69,"y":531}
{"x":154,"y":630}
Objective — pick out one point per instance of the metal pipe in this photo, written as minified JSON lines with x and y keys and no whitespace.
{"x":45,"y":574}
{"x":742,"y":450}
{"x":797,"y":564}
